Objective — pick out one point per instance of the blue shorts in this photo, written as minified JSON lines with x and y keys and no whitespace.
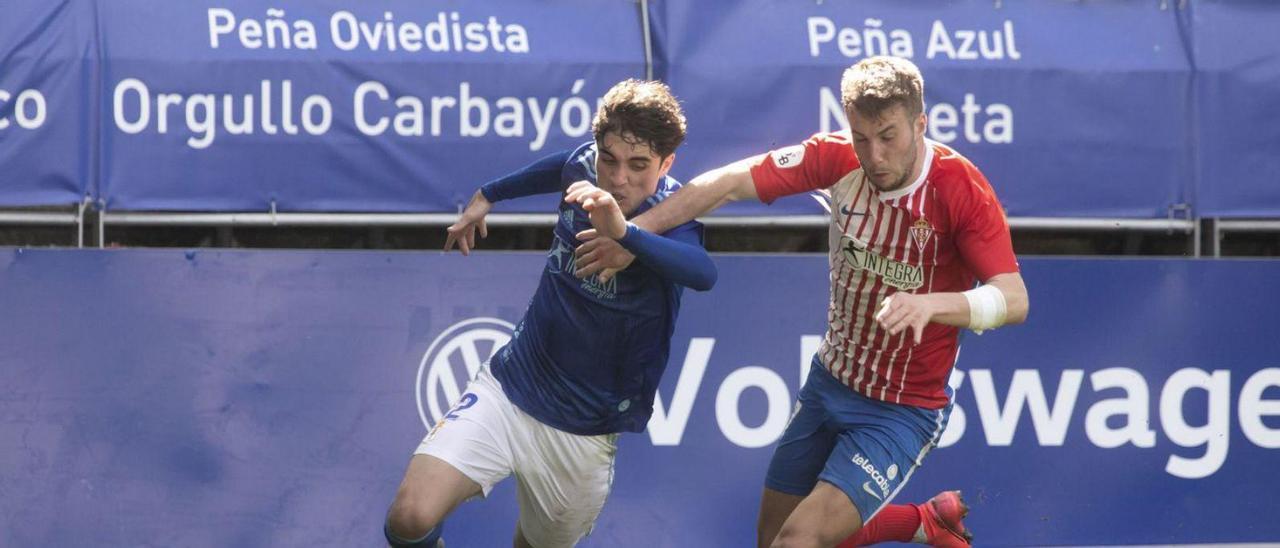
{"x":865,"y":447}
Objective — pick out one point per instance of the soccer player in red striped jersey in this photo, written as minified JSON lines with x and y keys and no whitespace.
{"x":919,"y":249}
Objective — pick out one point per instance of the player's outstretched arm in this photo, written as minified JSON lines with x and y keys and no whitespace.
{"x":677,"y":255}
{"x":703,"y":194}
{"x":680,"y":258}
{"x":540,"y":177}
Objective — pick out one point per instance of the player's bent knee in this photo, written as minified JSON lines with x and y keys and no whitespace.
{"x":408,"y":522}
{"x":429,"y":540}
{"x":794,"y":537}
{"x":412,"y":535}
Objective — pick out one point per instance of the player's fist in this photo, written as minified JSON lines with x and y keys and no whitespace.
{"x":601,"y":207}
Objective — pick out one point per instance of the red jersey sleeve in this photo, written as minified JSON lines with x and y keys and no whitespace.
{"x":982,"y":231}
{"x":819,"y":162}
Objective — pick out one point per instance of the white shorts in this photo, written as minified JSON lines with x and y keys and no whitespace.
{"x":562,"y":479}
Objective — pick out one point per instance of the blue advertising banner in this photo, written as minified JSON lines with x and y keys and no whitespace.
{"x":1120,"y":109}
{"x":1237,"y":85}
{"x":46,"y":75}
{"x":347,"y":106}
{"x":214,"y":398}
{"x":1070,"y":109}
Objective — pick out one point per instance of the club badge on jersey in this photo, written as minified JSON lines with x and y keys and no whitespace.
{"x":921,"y":230}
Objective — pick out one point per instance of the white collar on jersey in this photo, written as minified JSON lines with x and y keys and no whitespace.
{"x":924,"y":172}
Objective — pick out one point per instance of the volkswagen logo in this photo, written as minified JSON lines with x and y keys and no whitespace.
{"x":452,"y":360}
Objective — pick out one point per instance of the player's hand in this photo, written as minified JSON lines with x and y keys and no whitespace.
{"x":464,"y":231}
{"x":599,"y":255}
{"x":601,"y":207}
{"x":905,"y":311}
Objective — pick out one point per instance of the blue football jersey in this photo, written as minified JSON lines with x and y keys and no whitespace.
{"x":587,"y":356}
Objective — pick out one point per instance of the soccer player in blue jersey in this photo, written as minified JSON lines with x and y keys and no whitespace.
{"x":584,"y":363}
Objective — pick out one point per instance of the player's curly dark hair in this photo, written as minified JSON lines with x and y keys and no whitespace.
{"x":876,"y":84}
{"x":642,"y":111}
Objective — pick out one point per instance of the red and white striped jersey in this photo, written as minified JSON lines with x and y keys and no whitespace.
{"x":942,"y":233}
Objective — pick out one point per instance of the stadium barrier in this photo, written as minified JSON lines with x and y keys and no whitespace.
{"x":253,"y":398}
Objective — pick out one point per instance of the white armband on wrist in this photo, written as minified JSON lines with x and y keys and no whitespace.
{"x":986,"y":308}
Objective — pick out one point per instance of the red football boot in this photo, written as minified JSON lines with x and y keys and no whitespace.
{"x":943,"y":520}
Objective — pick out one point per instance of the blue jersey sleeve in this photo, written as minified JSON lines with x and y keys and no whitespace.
{"x":540,"y":177}
{"x":677,"y":256}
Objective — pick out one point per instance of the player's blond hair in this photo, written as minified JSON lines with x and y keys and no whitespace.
{"x":876,"y":84}
{"x":645,"y":111}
